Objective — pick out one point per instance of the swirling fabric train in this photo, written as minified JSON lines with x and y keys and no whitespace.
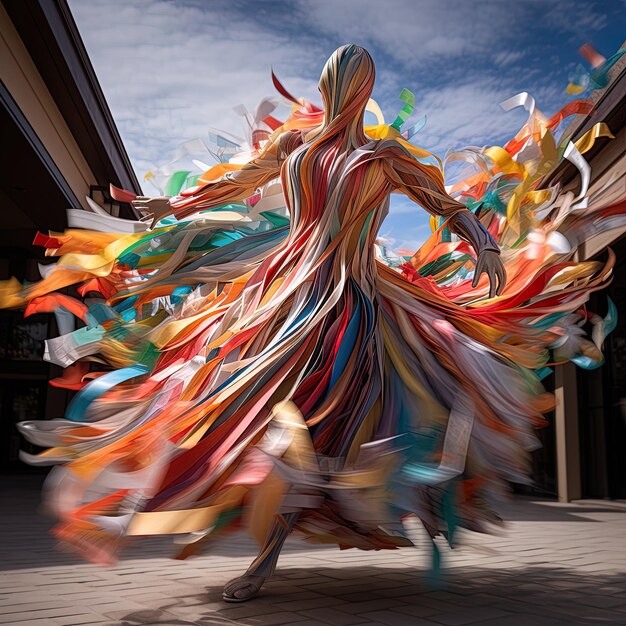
{"x":255,"y":362}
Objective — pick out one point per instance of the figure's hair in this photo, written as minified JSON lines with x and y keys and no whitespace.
{"x":346,"y":85}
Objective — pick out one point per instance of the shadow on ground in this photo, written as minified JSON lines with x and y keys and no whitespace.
{"x":537,"y":596}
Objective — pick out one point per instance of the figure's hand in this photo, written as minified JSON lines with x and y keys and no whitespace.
{"x":159,"y":207}
{"x":489,"y":262}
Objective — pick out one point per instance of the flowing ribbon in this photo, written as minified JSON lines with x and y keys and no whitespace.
{"x":408,"y":97}
{"x":78,"y":406}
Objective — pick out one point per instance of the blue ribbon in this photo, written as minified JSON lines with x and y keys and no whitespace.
{"x":78,"y":406}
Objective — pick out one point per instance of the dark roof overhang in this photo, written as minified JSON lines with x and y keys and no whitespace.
{"x":609,"y":108}
{"x":49,"y":31}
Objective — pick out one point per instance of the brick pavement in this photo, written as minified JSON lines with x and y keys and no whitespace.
{"x":552,"y":564}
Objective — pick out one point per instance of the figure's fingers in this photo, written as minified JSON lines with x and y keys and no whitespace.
{"x":477,"y":271}
{"x":157,"y":216}
{"x":140,"y":202}
{"x":492,"y":281}
{"x":149,"y":200}
{"x":502,"y":279}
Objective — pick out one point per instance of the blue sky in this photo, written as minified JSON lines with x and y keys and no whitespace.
{"x":172,"y":69}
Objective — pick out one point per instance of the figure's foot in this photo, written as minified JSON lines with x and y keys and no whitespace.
{"x":242,"y":588}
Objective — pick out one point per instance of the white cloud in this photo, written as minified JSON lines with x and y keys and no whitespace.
{"x":432,"y":32}
{"x":508,"y":57}
{"x":412,"y":33}
{"x":172,"y":70}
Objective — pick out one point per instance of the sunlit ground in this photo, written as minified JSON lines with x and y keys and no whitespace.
{"x":552,"y":564}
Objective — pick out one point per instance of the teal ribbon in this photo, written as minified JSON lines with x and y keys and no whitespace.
{"x":179,"y":293}
{"x":543,"y":372}
{"x":78,"y":406}
{"x":99,"y":313}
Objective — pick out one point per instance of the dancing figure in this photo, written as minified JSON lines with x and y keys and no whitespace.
{"x":287,"y":378}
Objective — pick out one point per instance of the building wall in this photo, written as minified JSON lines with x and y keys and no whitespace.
{"x":602,"y":400}
{"x":590,"y":419}
{"x":25,"y":392}
{"x":20,"y":76}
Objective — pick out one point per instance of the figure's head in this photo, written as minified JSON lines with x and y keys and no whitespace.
{"x":347,"y":82}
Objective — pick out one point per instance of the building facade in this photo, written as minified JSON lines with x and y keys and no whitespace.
{"x":59,"y":146}
{"x":584,"y":444}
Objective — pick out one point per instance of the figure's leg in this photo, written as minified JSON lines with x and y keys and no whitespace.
{"x":247,"y":586}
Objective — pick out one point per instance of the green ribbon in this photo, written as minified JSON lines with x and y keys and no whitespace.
{"x":408,"y":97}
{"x":176,"y":182}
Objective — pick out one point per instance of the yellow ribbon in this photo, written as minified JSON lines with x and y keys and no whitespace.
{"x":185,"y":520}
{"x":585,"y":143}
{"x":383,"y":131}
{"x":504,"y":162}
{"x":547,"y":163}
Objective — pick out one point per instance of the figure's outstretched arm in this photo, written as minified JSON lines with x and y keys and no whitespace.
{"x":232,"y":186}
{"x":424,"y":185}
